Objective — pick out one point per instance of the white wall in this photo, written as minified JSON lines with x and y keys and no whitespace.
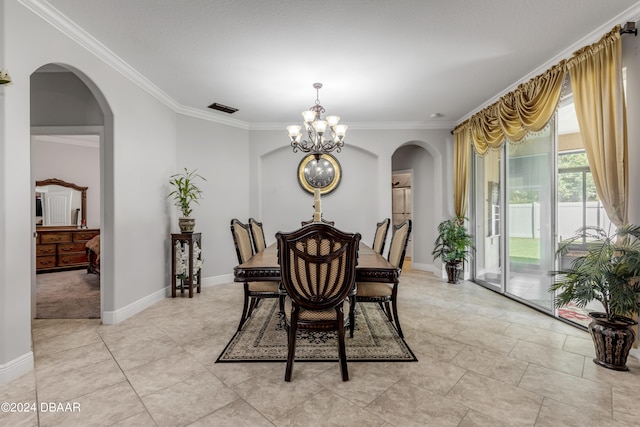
{"x":220,"y":154}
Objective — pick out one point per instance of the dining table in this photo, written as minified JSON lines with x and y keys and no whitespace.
{"x":263,"y":266}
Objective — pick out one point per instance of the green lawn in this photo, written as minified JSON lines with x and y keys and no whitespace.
{"x":524,"y":250}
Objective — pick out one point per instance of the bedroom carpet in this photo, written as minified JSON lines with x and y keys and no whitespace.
{"x":70,"y":294}
{"x":264,"y":339}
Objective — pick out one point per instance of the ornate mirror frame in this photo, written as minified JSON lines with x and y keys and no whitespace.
{"x":61,"y":183}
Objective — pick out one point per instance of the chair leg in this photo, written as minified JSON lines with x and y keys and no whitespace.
{"x":342,"y":353}
{"x":254,"y":304}
{"x":397,"y":319}
{"x":293,"y":327}
{"x":246,"y":306}
{"x":352,"y":315}
{"x":387,"y":311}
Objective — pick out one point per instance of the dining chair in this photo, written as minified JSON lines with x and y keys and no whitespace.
{"x":253,"y":291}
{"x":317,"y":268}
{"x":380,"y":238}
{"x":387,"y":293}
{"x":257,"y":235}
{"x":331,"y":223}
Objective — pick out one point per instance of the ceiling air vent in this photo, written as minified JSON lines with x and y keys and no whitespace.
{"x":223,"y":108}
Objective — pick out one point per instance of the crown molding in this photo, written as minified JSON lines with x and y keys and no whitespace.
{"x":55,"y":18}
{"x":59,"y":21}
{"x":631,"y":14}
{"x":63,"y":24}
{"x":368,"y":126}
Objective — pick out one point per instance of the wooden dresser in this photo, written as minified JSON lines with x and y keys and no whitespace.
{"x":62,"y":248}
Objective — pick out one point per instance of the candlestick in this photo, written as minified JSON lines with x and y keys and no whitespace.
{"x":317,"y":203}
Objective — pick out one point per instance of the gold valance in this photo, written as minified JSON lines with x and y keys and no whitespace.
{"x":526,"y":109}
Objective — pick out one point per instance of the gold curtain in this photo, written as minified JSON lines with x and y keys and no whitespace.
{"x":461,"y":158}
{"x":596,"y":79}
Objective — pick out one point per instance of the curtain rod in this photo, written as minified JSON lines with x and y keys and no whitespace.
{"x":629,"y":28}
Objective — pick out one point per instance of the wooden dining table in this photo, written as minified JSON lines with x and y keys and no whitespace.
{"x":263,"y":266}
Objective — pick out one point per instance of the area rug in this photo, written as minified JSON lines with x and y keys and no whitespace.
{"x":73,"y":294}
{"x":575,"y":314}
{"x":263,"y":338}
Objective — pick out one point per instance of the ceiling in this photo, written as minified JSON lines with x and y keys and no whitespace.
{"x":381,"y":62}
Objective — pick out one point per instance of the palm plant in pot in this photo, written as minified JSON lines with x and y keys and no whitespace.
{"x":453,"y":246}
{"x":607,"y":270}
{"x":185,"y":192}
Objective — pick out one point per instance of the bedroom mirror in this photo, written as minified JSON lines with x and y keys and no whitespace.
{"x":60,"y":204}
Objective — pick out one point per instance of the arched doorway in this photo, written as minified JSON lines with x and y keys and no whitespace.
{"x":71,"y":127}
{"x":420,"y":163}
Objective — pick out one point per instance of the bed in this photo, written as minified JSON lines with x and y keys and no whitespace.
{"x":93,"y":255}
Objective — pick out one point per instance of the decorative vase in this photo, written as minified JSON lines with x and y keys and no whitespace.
{"x":186,"y":224}
{"x":612,"y":340}
{"x":453,"y":271}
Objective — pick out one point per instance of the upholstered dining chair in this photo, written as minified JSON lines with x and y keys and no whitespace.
{"x":257,"y":235}
{"x":387,"y":293}
{"x":331,"y":223}
{"x":253,"y":291}
{"x":317,"y":269}
{"x":380,"y":238}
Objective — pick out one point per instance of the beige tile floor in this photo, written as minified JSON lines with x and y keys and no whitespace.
{"x":484,"y":360}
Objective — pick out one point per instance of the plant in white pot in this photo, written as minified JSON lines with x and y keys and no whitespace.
{"x":607,"y":270}
{"x":185,"y":192}
{"x":453,"y":246}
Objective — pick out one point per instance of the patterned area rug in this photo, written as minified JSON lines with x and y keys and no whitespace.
{"x":576,"y":314}
{"x":73,"y":294}
{"x":264,"y":339}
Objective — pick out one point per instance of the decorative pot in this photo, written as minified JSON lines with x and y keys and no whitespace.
{"x":453,"y":271}
{"x":612,"y":340}
{"x":186,"y":224}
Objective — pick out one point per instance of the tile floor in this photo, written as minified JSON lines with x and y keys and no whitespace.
{"x":484,"y":360}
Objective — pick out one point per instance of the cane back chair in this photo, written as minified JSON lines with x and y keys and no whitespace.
{"x":317,"y":269}
{"x":380,"y":238}
{"x":253,"y":291}
{"x":387,"y":293}
{"x":257,"y":235}
{"x":303,"y":223}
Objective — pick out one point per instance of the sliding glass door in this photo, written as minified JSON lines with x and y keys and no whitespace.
{"x":488,"y":213}
{"x":530,"y":218}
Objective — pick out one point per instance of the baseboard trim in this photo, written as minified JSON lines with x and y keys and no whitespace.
{"x":217,"y":280}
{"x":16,"y":368}
{"x":117,"y":316}
{"x":424,"y":267}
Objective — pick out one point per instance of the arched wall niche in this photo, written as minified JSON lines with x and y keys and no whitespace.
{"x":284,"y":204}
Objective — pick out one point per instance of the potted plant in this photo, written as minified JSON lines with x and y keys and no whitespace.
{"x":453,"y":246}
{"x":608,"y":271}
{"x":185,"y":192}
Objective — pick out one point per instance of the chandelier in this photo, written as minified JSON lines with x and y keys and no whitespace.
{"x":324,"y":136}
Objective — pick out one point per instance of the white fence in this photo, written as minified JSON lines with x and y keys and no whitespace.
{"x":524,"y":219}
